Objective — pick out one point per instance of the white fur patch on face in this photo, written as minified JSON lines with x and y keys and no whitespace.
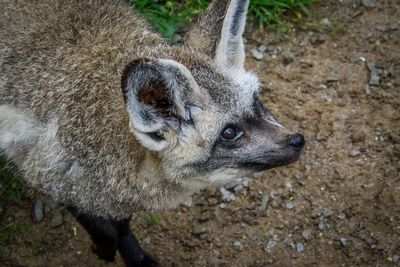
{"x":247,"y":86}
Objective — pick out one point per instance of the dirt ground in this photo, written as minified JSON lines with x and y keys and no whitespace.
{"x":337,"y":81}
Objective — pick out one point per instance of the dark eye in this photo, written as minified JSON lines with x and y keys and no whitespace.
{"x":231,"y":133}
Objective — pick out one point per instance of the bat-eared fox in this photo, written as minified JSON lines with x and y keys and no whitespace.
{"x":108,"y":118}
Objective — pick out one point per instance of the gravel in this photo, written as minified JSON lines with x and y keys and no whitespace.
{"x":262,"y":48}
{"x":38,"y":210}
{"x":344,"y":242}
{"x":289,"y":205}
{"x":271,"y":244}
{"x":299,"y":247}
{"x":257,"y":54}
{"x":199,"y":229}
{"x":57,"y":220}
{"x":368,"y":3}
{"x":226,"y":195}
{"x":264,"y":203}
{"x":306,"y":234}
{"x":354,"y":153}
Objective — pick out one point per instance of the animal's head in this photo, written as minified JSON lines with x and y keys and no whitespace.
{"x":200,"y":110}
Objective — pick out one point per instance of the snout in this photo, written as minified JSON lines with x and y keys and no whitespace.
{"x":297,"y":142}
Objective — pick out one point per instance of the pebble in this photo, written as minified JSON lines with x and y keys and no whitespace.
{"x":57,"y":220}
{"x":354,"y":153}
{"x":226,"y":195}
{"x":328,"y":212}
{"x":343,"y":241}
{"x":299,"y":247}
{"x":356,"y":59}
{"x":262,"y":48}
{"x":271,"y":244}
{"x":222,"y":205}
{"x":306,"y":234}
{"x":307,"y":167}
{"x":321,"y":226}
{"x":264,"y":203}
{"x":257,"y":54}
{"x":238,"y":245}
{"x":238,"y":188}
{"x":368,"y":3}
{"x":325,"y":22}
{"x":199,"y":229}
{"x":289,"y":205}
{"x":371,"y":241}
{"x":38,"y":211}
{"x":341,"y":216}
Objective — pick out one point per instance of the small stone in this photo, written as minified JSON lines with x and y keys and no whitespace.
{"x":226,"y":195}
{"x":356,"y":59}
{"x":57,"y":220}
{"x":262,"y":48}
{"x":246,"y":182}
{"x":299,"y":247}
{"x":343,"y":242}
{"x":306,"y":234}
{"x":238,"y":245}
{"x":232,"y":184}
{"x":238,"y":188}
{"x":222,"y":205}
{"x":147,"y":240}
{"x":289,"y":205}
{"x":38,"y":211}
{"x":321,"y":226}
{"x":271,"y":244}
{"x":199,"y":229}
{"x":368,"y":3}
{"x":374,"y":78}
{"x":264,"y":203}
{"x":371,"y":241}
{"x":328,"y":212}
{"x":325,"y":22}
{"x":257,"y":54}
{"x":307,"y":167}
{"x":341,"y":216}
{"x":354,"y":153}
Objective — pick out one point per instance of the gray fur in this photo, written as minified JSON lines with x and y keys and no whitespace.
{"x":89,"y":141}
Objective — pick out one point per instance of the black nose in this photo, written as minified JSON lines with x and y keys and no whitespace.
{"x":297,"y":142}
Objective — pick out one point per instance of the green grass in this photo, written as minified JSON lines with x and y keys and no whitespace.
{"x":168,"y":17}
{"x":151,"y":219}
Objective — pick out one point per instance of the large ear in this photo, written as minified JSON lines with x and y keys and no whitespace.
{"x":219,"y":32}
{"x":159,"y":95}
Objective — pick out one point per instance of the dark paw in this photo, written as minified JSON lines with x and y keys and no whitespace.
{"x":105,"y":253}
{"x":142,"y":259}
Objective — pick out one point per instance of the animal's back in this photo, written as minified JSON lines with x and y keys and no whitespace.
{"x":62,"y":115}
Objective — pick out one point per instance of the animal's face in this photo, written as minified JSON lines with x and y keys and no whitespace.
{"x":204,"y":118}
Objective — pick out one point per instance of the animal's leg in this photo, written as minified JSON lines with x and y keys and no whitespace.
{"x":103,"y":233}
{"x":129,"y":248}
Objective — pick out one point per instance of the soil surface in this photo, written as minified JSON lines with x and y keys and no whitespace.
{"x":337,"y":81}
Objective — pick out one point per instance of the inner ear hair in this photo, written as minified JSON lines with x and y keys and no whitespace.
{"x":157,"y":96}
